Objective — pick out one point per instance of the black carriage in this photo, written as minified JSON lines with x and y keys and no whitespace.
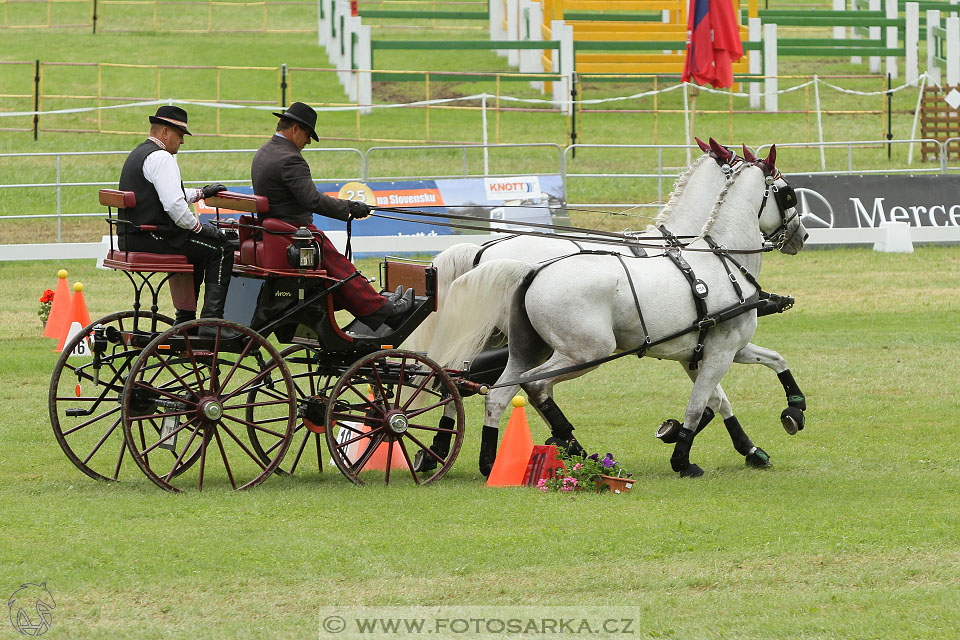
{"x":232,"y":402}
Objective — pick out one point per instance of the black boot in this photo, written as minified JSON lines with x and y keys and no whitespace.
{"x":184,"y":316}
{"x":214,"y":299}
{"x":395,"y":308}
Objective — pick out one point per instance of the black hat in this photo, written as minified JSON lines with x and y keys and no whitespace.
{"x":171,"y":116}
{"x":302,"y":114}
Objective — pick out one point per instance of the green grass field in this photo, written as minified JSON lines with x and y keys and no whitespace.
{"x":852,"y":533}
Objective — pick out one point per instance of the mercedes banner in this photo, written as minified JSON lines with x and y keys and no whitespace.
{"x":864,"y":201}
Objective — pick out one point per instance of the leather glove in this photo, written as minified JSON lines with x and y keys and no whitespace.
{"x":212,"y":190}
{"x":358,"y":210}
{"x":209,"y":231}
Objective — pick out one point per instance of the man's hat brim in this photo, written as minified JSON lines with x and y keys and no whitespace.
{"x":170,"y":123}
{"x":290,"y":116}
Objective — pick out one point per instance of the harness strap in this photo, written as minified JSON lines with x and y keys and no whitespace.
{"x":636,"y":300}
{"x":348,"y":250}
{"x":698,"y":300}
{"x":723,"y":260}
{"x":721,"y":316}
{"x":487,"y":245}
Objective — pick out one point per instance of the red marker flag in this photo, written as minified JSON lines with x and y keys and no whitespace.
{"x":713,"y":43}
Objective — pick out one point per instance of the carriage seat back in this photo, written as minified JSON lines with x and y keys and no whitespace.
{"x":118,"y":199}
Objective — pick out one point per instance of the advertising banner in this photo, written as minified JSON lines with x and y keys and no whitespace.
{"x":864,"y":201}
{"x":538,"y":199}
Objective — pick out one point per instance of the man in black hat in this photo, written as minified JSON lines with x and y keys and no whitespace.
{"x":280,"y":173}
{"x":152,"y":173}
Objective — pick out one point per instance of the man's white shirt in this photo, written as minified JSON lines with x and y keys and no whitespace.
{"x":161,"y":170}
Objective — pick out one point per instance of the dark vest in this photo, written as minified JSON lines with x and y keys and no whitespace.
{"x":149,"y":209}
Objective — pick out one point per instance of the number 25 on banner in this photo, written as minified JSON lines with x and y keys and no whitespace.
{"x":357,"y":191}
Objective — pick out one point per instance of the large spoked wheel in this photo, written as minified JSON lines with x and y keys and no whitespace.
{"x":312,"y":389}
{"x":197,"y":382}
{"x":385,"y":409}
{"x":84,"y":402}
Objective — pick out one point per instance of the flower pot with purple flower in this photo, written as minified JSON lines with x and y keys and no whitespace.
{"x":588,"y":472}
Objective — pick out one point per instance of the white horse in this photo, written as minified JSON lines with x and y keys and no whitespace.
{"x":575,"y":312}
{"x":683,"y":216}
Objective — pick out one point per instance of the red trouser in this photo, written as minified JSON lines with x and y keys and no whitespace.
{"x":355,"y":295}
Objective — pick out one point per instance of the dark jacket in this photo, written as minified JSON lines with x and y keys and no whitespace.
{"x":280,"y":173}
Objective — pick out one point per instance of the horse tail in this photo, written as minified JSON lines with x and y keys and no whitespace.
{"x":478,"y":303}
{"x":451,"y":263}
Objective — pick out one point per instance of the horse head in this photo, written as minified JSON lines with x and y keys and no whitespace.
{"x":779,"y":219}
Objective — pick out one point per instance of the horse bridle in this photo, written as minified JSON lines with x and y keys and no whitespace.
{"x":785,"y":197}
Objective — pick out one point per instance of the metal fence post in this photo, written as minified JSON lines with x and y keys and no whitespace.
{"x":283,"y":85}
{"x":36,"y":100}
{"x":59,"y":208}
{"x":94,"y":16}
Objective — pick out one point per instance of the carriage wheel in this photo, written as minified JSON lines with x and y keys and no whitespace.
{"x":383,"y":410}
{"x":86,"y":416}
{"x":312,"y":389}
{"x":199,"y":388}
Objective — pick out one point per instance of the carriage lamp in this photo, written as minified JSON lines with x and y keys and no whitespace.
{"x":302,"y":253}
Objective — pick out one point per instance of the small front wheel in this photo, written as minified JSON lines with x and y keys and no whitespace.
{"x":385,"y":409}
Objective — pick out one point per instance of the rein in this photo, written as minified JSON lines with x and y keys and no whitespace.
{"x":629,"y":239}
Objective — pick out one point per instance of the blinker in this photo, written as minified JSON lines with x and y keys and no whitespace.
{"x":786,"y":198}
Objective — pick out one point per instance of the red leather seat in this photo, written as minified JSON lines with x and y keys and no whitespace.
{"x":266,"y":249}
{"x":143,"y":261}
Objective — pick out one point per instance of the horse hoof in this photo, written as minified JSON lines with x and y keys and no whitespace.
{"x":669,"y":431}
{"x":569,"y":447}
{"x":423,"y":462}
{"x":758,"y":458}
{"x":792,"y":420}
{"x":692,"y":471}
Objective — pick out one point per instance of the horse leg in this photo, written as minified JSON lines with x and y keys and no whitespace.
{"x":792,"y":417}
{"x":718,"y":403}
{"x":755,"y":456}
{"x":712,"y":369}
{"x":561,"y":431}
{"x":496,"y":403}
{"x":441,"y":441}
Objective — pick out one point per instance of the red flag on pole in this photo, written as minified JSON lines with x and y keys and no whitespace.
{"x":713,"y":43}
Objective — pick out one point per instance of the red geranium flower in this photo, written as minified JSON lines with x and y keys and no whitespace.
{"x":47,"y":296}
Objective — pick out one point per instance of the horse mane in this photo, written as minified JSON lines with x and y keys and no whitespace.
{"x":714,"y":213}
{"x":678,"y":188}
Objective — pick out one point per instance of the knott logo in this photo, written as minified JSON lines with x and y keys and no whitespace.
{"x":527,"y":187}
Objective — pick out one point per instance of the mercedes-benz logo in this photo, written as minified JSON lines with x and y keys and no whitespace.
{"x":815,"y":210}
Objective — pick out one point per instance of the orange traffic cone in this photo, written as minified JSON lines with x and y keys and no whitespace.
{"x":78,"y":318}
{"x":378,"y":459}
{"x":60,"y":309}
{"x":515,"y":450}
